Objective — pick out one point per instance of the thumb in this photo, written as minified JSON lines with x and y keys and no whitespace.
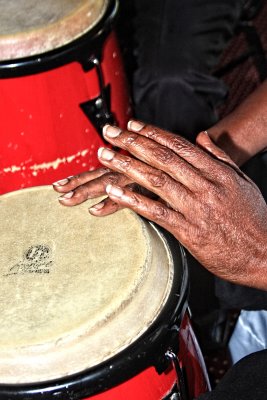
{"x":204,"y":141}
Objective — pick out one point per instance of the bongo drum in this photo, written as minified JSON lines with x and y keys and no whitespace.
{"x":61,"y":80}
{"x":92,"y":307}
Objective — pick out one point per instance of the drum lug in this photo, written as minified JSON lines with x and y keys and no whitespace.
{"x":174,"y":394}
{"x":98,"y":110}
{"x":181,"y":388}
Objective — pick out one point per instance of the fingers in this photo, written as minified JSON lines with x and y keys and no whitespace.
{"x":89,"y":185}
{"x":72,"y":182}
{"x":108,"y":206}
{"x":155,"y":211}
{"x":157,"y":155}
{"x":105,"y":207}
{"x":182,"y":147}
{"x":154,"y":180}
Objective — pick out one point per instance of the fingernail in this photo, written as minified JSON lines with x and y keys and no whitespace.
{"x":114,"y":190}
{"x":111,"y":131}
{"x":62,"y":182}
{"x":135,"y":126}
{"x":66,"y":196}
{"x":105,"y":154}
{"x":97,"y":207}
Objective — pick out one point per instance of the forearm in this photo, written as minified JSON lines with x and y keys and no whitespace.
{"x":243,"y":133}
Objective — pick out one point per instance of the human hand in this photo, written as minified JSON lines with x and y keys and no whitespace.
{"x":89,"y":185}
{"x":208,"y":204}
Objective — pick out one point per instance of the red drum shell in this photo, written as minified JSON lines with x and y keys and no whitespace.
{"x":45,"y":134}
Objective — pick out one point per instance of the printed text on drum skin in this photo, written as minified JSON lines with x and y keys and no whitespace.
{"x":36,"y":259}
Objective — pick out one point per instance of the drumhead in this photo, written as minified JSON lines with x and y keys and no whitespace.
{"x":35,"y":27}
{"x":75,"y":289}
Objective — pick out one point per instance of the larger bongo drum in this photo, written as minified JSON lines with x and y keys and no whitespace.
{"x":92,"y":307}
{"x":61,"y":80}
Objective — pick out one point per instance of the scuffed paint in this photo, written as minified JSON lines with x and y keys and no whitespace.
{"x":12,"y":169}
{"x":35,"y":168}
{"x":84,"y":152}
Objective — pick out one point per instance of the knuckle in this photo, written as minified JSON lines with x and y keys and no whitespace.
{"x":227,"y":178}
{"x":124,"y":163}
{"x":181,"y":145}
{"x":134,"y":199}
{"x":162,"y":154}
{"x":81,"y":194}
{"x":226,"y":184}
{"x":157,"y":179}
{"x":152,"y":133}
{"x":130,"y":139}
{"x":111,"y":178}
{"x":161,"y":212}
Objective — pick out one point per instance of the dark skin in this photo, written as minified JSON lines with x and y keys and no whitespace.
{"x":242,"y":134}
{"x":202,"y":197}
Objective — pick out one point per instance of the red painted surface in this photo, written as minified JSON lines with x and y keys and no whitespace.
{"x":45,"y":136}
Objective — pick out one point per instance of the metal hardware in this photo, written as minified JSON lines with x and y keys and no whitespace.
{"x":182,"y":392}
{"x":98,"y":110}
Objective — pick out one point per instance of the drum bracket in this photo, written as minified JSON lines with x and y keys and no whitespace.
{"x":98,"y":109}
{"x":181,"y":387}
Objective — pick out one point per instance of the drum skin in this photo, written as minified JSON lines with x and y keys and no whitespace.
{"x":92,"y":308}
{"x":45,"y":135}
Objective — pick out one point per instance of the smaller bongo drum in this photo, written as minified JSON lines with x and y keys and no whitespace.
{"x":92,"y":307}
{"x":61,"y":79}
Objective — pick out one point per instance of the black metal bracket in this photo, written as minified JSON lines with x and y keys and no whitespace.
{"x":182,"y":393}
{"x":98,"y":110}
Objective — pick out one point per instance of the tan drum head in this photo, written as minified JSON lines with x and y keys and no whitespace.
{"x":31,"y":27}
{"x":75,"y":289}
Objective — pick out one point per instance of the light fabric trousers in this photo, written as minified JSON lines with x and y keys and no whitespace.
{"x":250,"y":334}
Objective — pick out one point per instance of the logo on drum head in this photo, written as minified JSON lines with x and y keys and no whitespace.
{"x":36,"y":259}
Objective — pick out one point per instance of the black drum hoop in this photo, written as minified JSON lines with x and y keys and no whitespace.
{"x":81,"y":50}
{"x":147,"y":351}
